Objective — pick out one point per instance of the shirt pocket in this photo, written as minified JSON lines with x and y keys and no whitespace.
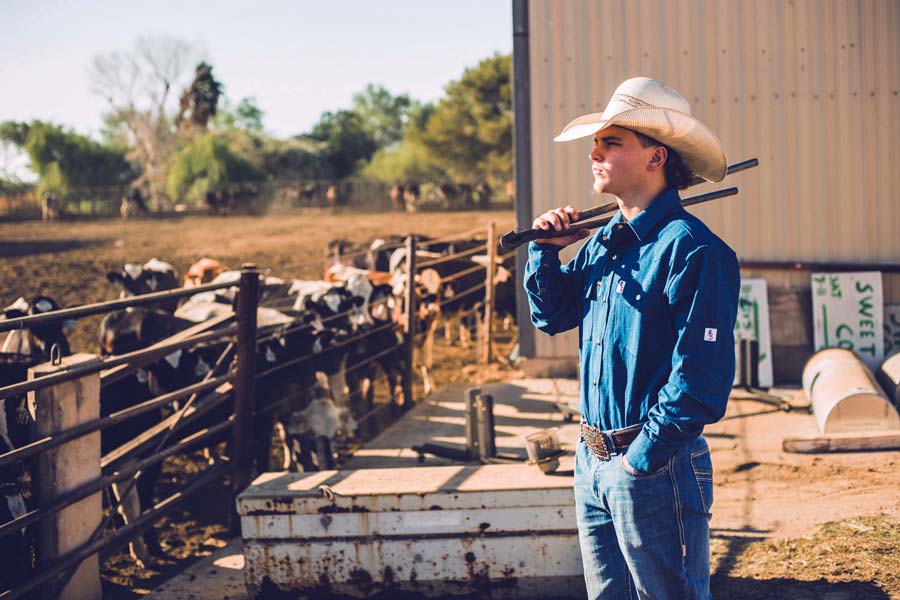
{"x":632,"y":305}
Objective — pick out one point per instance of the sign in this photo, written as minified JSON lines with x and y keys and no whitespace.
{"x":891,"y":329}
{"x":848,"y":312}
{"x":753,"y":324}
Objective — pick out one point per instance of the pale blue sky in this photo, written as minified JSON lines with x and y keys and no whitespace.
{"x":297,"y":58}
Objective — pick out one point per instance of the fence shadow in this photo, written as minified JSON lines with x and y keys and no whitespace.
{"x":784,"y":588}
{"x":21,"y":248}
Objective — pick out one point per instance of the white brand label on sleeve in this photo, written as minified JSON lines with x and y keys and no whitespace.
{"x":709,"y":335}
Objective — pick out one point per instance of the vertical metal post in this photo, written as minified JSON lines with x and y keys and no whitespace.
{"x":522,"y":167}
{"x":245,"y":382}
{"x":410,"y":325}
{"x":489,"y":291}
{"x":487,"y":446}
{"x":472,"y":422}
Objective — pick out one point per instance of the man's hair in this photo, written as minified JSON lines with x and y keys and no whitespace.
{"x":678,"y":174}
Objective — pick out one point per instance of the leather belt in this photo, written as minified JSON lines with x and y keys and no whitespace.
{"x":603,"y":444}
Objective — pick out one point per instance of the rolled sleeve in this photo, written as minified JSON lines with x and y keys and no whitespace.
{"x":703,"y":295}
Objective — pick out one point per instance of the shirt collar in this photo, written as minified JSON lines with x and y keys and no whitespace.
{"x":650,"y":217}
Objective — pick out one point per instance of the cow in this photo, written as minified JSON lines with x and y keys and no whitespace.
{"x":202,"y":272}
{"x":22,"y":349}
{"x":135,"y":279}
{"x":133,"y":205}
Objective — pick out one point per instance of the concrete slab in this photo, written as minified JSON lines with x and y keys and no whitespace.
{"x":219,"y":576}
{"x":520,"y":408}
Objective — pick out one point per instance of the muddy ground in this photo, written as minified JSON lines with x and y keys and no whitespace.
{"x":787,"y":527}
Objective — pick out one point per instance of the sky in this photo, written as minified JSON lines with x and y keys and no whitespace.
{"x":297,"y":58}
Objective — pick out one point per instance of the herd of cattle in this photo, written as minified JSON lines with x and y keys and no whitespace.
{"x":320,"y":347}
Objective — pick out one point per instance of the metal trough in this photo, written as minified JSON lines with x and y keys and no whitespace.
{"x":498,"y":531}
{"x":844,"y":394}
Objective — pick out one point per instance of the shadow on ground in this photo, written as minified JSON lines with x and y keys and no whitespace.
{"x":15,"y":249}
{"x":746,"y":588}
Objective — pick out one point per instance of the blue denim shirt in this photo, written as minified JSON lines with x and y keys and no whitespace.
{"x":655,"y":300}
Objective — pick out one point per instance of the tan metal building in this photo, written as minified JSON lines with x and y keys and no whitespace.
{"x":809,"y":87}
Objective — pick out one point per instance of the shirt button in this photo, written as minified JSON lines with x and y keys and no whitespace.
{"x":605,"y":237}
{"x":619,"y":226}
{"x":595,"y":382}
{"x":638,"y":297}
{"x":543,"y":291}
{"x":615,"y":256}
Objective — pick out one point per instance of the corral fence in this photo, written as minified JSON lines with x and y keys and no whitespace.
{"x":65,"y":475}
{"x":260,"y":197}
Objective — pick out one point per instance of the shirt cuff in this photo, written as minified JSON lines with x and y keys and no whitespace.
{"x":646,"y":456}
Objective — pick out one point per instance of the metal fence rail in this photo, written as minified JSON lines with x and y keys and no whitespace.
{"x":228,"y":381}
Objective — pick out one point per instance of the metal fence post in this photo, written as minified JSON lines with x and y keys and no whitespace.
{"x":409,"y":339}
{"x":489,"y":291}
{"x":245,"y":382}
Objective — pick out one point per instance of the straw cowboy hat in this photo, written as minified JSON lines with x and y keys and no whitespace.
{"x":656,"y":110}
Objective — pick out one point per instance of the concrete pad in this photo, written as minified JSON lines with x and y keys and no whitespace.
{"x":520,"y":408}
{"x":219,"y":576}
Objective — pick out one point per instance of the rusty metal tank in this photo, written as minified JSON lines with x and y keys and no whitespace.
{"x":844,"y":394}
{"x":498,"y":531}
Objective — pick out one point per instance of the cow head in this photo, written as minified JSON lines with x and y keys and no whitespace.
{"x":37,"y":340}
{"x":136,"y":279}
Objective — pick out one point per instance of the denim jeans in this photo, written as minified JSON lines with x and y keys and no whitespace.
{"x":645,"y":536}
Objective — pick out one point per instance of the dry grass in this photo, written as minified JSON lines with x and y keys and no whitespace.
{"x":854,"y":559}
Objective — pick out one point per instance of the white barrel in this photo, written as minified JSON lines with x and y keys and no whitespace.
{"x":888,"y":376}
{"x":844,"y":394}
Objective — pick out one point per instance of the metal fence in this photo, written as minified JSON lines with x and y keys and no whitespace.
{"x":259,"y":197}
{"x":232,"y":382}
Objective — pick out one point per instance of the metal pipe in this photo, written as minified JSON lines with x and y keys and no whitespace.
{"x":409,"y":335}
{"x":108,"y":306}
{"x":245,"y":382}
{"x":522,"y":156}
{"x":821,"y":267}
{"x":472,"y":422}
{"x":95,"y":486}
{"x":487,"y":447}
{"x":103,"y":364}
{"x":47,"y":443}
{"x":146,"y":520}
{"x":514,"y":239}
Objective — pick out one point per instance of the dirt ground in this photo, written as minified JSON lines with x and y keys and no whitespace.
{"x":786,"y":526}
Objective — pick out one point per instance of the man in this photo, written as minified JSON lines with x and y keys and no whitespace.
{"x":654,"y":295}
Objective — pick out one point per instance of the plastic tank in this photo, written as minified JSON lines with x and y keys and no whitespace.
{"x":888,"y":376}
{"x":844,"y":394}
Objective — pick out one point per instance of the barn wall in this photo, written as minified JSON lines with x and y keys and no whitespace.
{"x":809,"y":87}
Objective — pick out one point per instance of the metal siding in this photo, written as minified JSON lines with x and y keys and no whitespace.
{"x":809,"y":87}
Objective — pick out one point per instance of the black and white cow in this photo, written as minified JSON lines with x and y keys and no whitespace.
{"x":135,"y":279}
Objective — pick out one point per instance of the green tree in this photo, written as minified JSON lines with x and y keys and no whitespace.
{"x":138,"y":87}
{"x":63,"y":159}
{"x":342,"y":141}
{"x":200,"y":100}
{"x":206,"y":163}
{"x":470,"y":131}
{"x":384,"y":115}
{"x":246,"y":115}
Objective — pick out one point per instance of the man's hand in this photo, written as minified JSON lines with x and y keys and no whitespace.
{"x":559,"y":219}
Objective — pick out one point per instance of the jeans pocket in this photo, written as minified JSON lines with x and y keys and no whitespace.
{"x":630,"y":473}
{"x":701,"y":465}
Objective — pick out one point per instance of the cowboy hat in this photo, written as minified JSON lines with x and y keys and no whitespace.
{"x":656,"y":110}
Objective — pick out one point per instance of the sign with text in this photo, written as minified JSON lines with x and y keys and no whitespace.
{"x":891,"y":329}
{"x":753,"y":324}
{"x":848,"y":312}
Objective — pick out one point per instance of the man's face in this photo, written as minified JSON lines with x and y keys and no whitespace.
{"x":619,"y":161}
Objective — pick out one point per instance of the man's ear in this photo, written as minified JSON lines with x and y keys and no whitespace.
{"x":658,"y":158}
